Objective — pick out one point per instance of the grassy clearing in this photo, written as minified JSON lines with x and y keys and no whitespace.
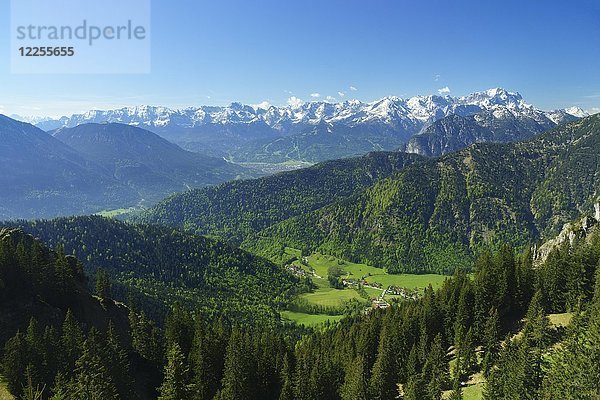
{"x":325,"y":296}
{"x":329,"y":297}
{"x":560,"y":319}
{"x":305,"y":319}
{"x":473,"y":392}
{"x":473,"y":389}
{"x":321,"y":263}
{"x":4,"y":393}
{"x":116,"y":213}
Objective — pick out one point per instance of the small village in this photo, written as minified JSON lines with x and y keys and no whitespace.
{"x":379,"y":302}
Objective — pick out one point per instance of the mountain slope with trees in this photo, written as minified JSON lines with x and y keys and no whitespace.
{"x":435,"y":215}
{"x":236,"y":209}
{"x":492,"y":323}
{"x":159,"y":265}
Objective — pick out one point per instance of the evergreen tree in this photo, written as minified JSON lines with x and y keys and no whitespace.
{"x":287,"y":385}
{"x":14,"y":363}
{"x":118,"y":363}
{"x":198,"y":363}
{"x":179,"y":328}
{"x":60,"y":388}
{"x":415,"y":388}
{"x":237,"y":376}
{"x":536,"y":330}
{"x":435,"y":370}
{"x":491,"y":338}
{"x":31,"y":390}
{"x":383,"y":381}
{"x":64,"y":275}
{"x":525,"y":280}
{"x":71,"y":342}
{"x":466,"y":356}
{"x":355,"y":384}
{"x":103,"y":286}
{"x":92,"y":380}
{"x":175,"y":384}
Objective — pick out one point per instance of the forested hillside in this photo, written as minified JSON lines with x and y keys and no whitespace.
{"x":161,"y":265}
{"x":234,"y":210}
{"x":436,"y":215}
{"x":488,"y":333}
{"x":56,"y":337}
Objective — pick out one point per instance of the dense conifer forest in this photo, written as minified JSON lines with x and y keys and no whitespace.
{"x":493,"y":322}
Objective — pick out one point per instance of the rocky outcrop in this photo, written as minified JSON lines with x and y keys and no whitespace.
{"x":570,"y":232}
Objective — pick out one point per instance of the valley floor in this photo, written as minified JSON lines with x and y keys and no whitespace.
{"x":365,"y":284}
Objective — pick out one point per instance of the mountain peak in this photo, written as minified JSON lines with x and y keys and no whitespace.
{"x":577,"y":112}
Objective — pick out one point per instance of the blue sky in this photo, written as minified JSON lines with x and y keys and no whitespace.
{"x":217,"y":52}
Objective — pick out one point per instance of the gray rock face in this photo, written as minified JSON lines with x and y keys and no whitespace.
{"x":455,"y":132}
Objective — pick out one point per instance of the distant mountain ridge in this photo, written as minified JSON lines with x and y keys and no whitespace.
{"x":148,"y":163}
{"x":93,"y":168}
{"x":456,"y":132}
{"x":269,"y":133}
{"x":42,"y":176}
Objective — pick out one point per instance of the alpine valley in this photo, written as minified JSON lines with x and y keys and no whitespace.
{"x":438,"y":248}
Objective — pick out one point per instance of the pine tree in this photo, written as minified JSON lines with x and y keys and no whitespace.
{"x":118,"y":363}
{"x":491,"y":338}
{"x":50,"y":350}
{"x":71,"y":342}
{"x":31,"y":390}
{"x":179,"y":328}
{"x":92,"y":378}
{"x":435,"y":370}
{"x":536,"y":330}
{"x":467,"y":356}
{"x":198,"y":363}
{"x":237,"y":381}
{"x":64,"y":276}
{"x":103,"y":286}
{"x":355,"y":384}
{"x":287,"y":385}
{"x":34,"y":352}
{"x":525,"y":280}
{"x":415,"y":388}
{"x":382,"y":384}
{"x":14,"y":362}
{"x":60,"y":389}
{"x":175,"y":385}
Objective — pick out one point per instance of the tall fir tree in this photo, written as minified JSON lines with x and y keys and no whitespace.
{"x":355,"y":382}
{"x":175,"y":383}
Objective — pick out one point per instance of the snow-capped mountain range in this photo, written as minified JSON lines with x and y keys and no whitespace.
{"x":224,"y":130}
{"x":391,"y":111}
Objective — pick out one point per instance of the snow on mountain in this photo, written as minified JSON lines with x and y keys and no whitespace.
{"x":391,"y":112}
{"x":30,"y":119}
{"x":576,"y":112}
